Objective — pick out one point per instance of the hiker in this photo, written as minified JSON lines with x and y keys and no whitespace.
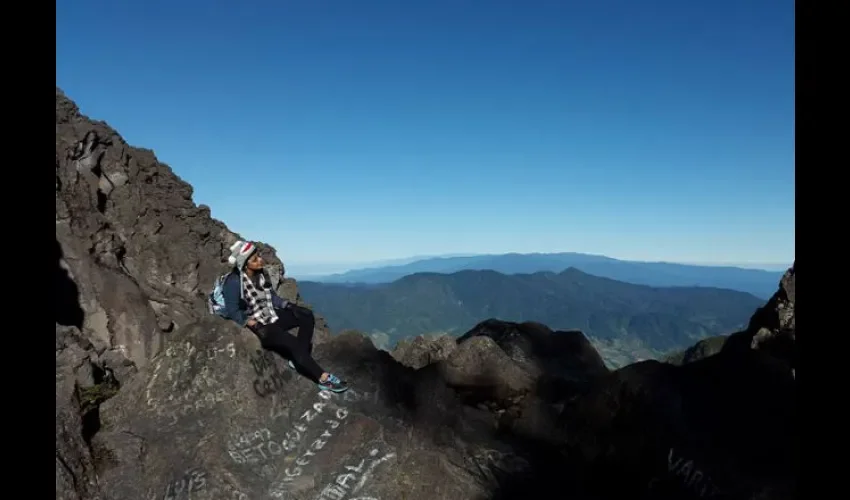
{"x":250,"y":300}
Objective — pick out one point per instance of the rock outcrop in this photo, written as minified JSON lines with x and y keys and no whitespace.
{"x":156,"y":398}
{"x":772,"y":329}
{"x":135,"y":257}
{"x":706,"y":347}
{"x":422,"y":351}
{"x":725,"y":419}
{"x":140,"y":252}
{"x":221,"y":418}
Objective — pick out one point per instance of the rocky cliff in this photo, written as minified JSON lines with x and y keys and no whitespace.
{"x":155,"y":398}
{"x":772,"y":329}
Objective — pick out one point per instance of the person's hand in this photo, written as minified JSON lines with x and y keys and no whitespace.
{"x":251,"y":323}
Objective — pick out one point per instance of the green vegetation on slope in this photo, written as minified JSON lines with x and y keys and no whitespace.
{"x":661,"y":319}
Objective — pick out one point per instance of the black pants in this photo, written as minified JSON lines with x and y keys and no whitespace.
{"x":275,"y":337}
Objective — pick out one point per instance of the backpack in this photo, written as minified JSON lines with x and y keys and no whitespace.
{"x":215,"y":300}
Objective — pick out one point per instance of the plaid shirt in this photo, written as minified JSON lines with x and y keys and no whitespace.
{"x":260,"y":306}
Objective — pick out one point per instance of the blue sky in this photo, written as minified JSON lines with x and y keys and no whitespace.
{"x":349,"y":131}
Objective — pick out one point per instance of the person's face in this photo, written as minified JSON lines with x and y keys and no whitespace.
{"x":255,"y":262}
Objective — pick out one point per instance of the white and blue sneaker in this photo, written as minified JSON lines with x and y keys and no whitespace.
{"x":333,"y":384}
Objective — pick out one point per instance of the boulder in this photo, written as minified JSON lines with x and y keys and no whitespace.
{"x":421,"y":351}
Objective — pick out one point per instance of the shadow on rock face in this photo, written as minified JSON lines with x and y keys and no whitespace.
{"x":721,"y":427}
{"x":560,"y":364}
{"x":218,"y":418}
{"x":66,"y":294}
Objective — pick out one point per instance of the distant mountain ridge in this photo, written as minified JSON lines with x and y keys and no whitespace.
{"x":423,"y":303}
{"x":761,"y":283}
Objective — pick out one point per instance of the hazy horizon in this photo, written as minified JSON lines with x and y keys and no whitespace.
{"x":322,"y":269}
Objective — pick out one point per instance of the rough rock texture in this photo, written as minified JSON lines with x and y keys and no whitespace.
{"x":723,"y":424}
{"x":75,"y":476}
{"x":155,"y":398}
{"x":704,"y":348}
{"x":480,"y":364}
{"x":421,"y":351}
{"x":562,"y":360}
{"x":135,"y":257}
{"x":140,"y":251}
{"x":231,"y":421}
{"x":721,"y":427}
{"x":772,"y":329}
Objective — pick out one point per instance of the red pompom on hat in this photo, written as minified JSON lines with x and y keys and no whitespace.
{"x":240,"y":252}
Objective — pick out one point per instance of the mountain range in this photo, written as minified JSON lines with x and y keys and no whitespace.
{"x":158,"y":398}
{"x":659,"y":318}
{"x":759,"y":282}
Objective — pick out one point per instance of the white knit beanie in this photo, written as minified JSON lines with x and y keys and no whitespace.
{"x":240,"y":252}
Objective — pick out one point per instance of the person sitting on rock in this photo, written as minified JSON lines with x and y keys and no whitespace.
{"x":250,"y":301}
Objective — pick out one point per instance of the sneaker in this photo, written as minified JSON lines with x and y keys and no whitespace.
{"x":333,"y":384}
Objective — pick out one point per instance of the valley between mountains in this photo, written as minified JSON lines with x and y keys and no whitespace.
{"x":626,"y":322}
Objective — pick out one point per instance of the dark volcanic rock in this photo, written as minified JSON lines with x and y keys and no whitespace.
{"x":140,"y":251}
{"x":484,"y":375}
{"x":563,"y":361}
{"x":704,"y":348}
{"x":538,"y":348}
{"x":421,"y":351}
{"x":216,"y":416}
{"x":75,"y":473}
{"x":135,"y":258}
{"x":156,"y":398}
{"x":729,"y":418}
{"x":721,"y":425}
{"x":773,"y":328}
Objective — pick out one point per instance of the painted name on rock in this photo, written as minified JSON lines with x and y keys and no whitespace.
{"x":192,"y":481}
{"x":185,"y":390}
{"x":692,"y":477}
{"x":270,"y":378}
{"x":353,"y":478}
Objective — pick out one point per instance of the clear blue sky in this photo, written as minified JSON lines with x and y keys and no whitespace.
{"x":346,"y":131}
